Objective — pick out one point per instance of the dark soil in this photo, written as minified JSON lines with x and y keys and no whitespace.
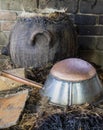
{"x":75,"y":120}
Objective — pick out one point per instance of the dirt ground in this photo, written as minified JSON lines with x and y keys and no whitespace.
{"x":37,"y":109}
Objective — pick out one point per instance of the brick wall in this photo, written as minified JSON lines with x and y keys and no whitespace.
{"x":86,"y":15}
{"x":9,"y":10}
{"x":89,"y":23}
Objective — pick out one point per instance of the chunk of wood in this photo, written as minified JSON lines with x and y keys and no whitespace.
{"x":11,"y":107}
{"x":8,"y":84}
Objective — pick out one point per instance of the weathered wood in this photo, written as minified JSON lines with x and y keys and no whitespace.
{"x":8,"y":84}
{"x":11,"y":107}
{"x":21,"y":80}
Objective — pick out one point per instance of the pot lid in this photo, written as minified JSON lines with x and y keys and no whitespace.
{"x":73,"y":69}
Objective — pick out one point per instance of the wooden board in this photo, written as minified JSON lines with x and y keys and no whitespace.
{"x":7,"y":84}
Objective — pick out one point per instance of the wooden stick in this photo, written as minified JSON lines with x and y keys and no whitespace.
{"x":21,"y":80}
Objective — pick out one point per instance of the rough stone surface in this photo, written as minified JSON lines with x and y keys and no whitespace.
{"x":92,"y":56}
{"x":90,"y":30}
{"x":5,"y":15}
{"x":7,"y":26}
{"x":91,"y":6}
{"x":18,"y":5}
{"x":3,"y":39}
{"x":85,"y":20}
{"x":100,"y":19}
{"x":99,"y":43}
{"x":86,"y":15}
{"x":71,"y":5}
{"x":7,"y":33}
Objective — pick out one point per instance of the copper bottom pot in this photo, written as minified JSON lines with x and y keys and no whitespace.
{"x":73,"y":81}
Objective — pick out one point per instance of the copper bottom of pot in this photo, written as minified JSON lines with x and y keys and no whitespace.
{"x":73,"y":69}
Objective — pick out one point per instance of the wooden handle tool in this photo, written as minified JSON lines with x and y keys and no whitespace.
{"x":21,"y":80}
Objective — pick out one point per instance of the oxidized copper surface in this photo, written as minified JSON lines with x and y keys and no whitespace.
{"x":73,"y":69}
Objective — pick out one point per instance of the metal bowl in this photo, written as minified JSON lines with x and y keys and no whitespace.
{"x":72,"y":81}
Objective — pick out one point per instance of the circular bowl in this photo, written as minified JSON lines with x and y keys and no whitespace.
{"x":73,"y":81}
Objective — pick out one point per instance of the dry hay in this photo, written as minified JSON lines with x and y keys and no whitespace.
{"x":75,"y":120}
{"x":38,"y":74}
{"x":53,"y":16}
{"x":38,"y":114}
{"x":6,"y":64}
{"x":39,"y":12}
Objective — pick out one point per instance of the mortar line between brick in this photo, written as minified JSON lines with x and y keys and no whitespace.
{"x":0,"y":4}
{"x":90,"y":36}
{"x":84,"y":25}
{"x":11,"y":11}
